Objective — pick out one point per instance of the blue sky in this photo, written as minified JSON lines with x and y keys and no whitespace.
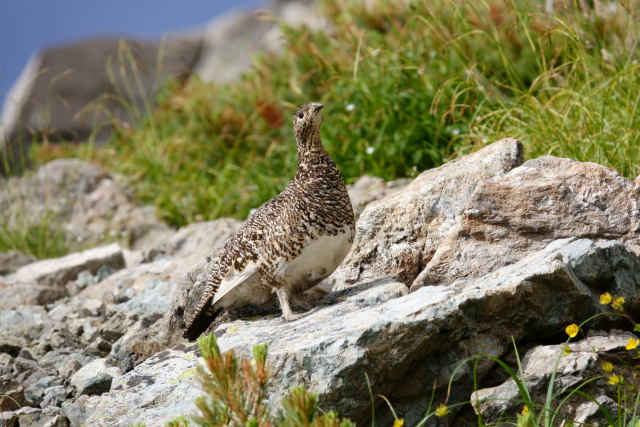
{"x":30,"y":25}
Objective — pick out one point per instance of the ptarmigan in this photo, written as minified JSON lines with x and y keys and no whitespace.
{"x":290,"y":243}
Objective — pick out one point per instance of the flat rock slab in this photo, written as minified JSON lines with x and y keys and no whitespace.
{"x":58,"y":271}
{"x":404,"y":343}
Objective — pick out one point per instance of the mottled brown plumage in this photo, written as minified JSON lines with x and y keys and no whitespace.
{"x":290,"y":243}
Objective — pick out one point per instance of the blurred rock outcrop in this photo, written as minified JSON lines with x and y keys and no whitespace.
{"x":70,"y":92}
{"x":76,"y":91}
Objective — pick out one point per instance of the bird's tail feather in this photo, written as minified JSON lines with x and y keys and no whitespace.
{"x":200,"y":322}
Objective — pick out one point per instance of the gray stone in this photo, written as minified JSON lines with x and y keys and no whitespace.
{"x":22,"y":365}
{"x":63,"y":363}
{"x":6,"y":364}
{"x":99,"y":347}
{"x":35,"y":417}
{"x":77,"y":411}
{"x":405,"y":344}
{"x":572,"y":370}
{"x":156,"y":296}
{"x":95,"y":377}
{"x":368,"y":189}
{"x":58,"y":271}
{"x":54,"y":396}
{"x":29,"y":294}
{"x":84,"y":279}
{"x":117,"y":325}
{"x":35,"y":393}
{"x":68,"y":368}
{"x":23,"y":322}
{"x":398,"y":234}
{"x":12,"y":260}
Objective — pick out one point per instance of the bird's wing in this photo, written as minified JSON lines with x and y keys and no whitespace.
{"x":234,"y":279}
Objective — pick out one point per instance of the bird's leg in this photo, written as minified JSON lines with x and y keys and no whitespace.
{"x":287,"y":313}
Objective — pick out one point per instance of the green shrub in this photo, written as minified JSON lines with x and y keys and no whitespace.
{"x":236,"y":390}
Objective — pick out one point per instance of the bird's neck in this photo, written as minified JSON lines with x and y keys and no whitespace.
{"x":312,"y":157}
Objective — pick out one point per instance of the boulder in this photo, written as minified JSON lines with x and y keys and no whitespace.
{"x":58,"y":271}
{"x":583,"y":362}
{"x":231,"y":40}
{"x":404,"y":343}
{"x":520,"y":212}
{"x":75,"y":91}
{"x":399,"y":234}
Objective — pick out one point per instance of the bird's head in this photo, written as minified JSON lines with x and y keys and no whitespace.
{"x":307,"y":119}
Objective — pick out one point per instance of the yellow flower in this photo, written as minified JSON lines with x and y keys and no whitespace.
{"x":566,"y":350}
{"x":605,"y":298}
{"x":615,"y":379}
{"x":399,"y":422}
{"x":442,"y":410}
{"x":572,"y":330}
{"x":618,"y":303}
{"x":607,"y":366}
{"x":632,"y":343}
{"x":525,"y":410}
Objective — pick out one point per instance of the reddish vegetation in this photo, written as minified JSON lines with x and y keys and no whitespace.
{"x":270,"y":112}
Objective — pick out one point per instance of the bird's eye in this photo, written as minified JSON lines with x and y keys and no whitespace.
{"x":300,"y":115}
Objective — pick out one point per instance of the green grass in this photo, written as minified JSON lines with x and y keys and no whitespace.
{"x":406,"y":87}
{"x":43,"y":239}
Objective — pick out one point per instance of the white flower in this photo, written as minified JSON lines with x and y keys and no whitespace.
{"x":375,"y":52}
{"x":432,"y":53}
{"x":485,"y":140}
{"x":370,"y":150}
{"x":350,"y":107}
{"x":455,"y":131}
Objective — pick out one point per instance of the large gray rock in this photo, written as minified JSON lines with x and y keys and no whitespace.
{"x":404,"y":343}
{"x":58,"y":271}
{"x":520,"y":212}
{"x":399,"y":234}
{"x":230,"y":40}
{"x":584,"y":362}
{"x":75,"y":91}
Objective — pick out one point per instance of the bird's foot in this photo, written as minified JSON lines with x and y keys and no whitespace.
{"x":291,"y":316}
{"x":303,"y":303}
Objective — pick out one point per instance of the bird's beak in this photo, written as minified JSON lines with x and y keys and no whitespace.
{"x":317,"y":107}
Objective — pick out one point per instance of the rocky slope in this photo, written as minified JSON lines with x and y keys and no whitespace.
{"x":466,"y":258}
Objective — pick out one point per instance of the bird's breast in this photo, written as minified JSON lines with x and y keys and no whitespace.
{"x":319,"y":257}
